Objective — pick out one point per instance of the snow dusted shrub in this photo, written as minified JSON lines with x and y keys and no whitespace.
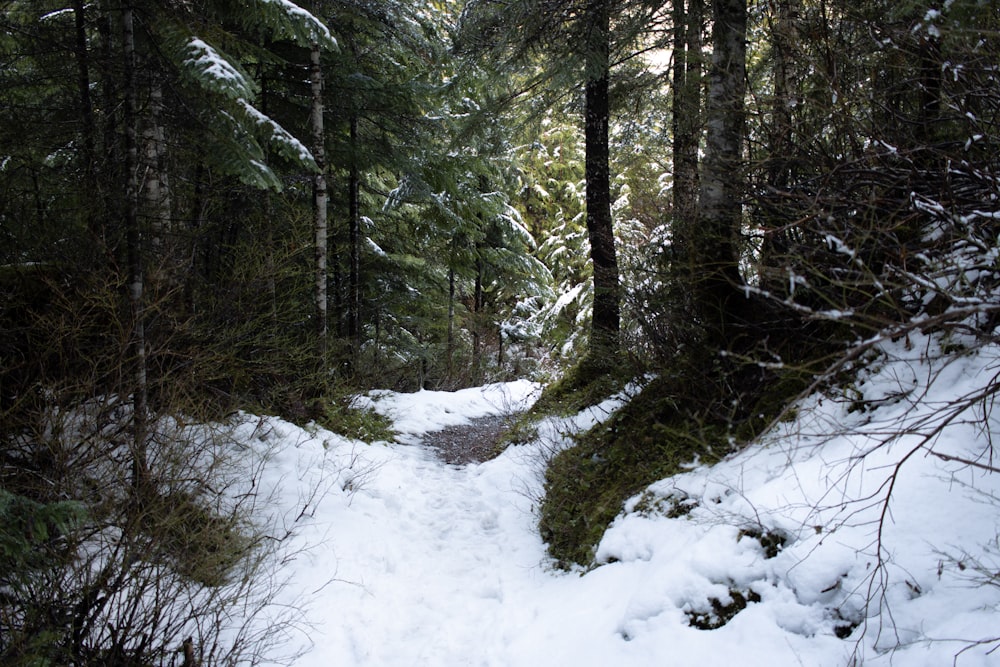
{"x":136,"y":578}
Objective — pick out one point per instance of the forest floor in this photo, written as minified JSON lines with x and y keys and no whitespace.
{"x":476,"y":442}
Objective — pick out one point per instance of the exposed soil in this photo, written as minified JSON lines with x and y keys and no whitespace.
{"x":470,"y":443}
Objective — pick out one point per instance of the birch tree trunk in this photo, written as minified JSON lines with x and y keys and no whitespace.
{"x":156,"y":182}
{"x":319,"y":196}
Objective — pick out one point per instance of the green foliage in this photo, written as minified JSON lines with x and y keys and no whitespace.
{"x":343,"y":417}
{"x":252,"y":346}
{"x":30,"y":533}
{"x":285,"y":20}
{"x":242,"y":135}
{"x":195,"y":541}
{"x":522,"y":429}
{"x":113,"y":575}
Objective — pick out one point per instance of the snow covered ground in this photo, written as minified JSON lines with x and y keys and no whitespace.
{"x":847,"y":546}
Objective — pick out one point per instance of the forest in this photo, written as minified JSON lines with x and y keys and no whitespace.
{"x":212,"y":208}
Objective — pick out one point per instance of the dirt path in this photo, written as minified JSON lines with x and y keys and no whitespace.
{"x":470,"y":443}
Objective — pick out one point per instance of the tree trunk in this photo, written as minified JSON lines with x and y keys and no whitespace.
{"x":319,"y":196}
{"x":606,"y":312}
{"x":89,"y":129}
{"x":164,"y":273}
{"x":266,"y":204}
{"x":133,"y":238}
{"x":109,"y":158}
{"x":714,"y":247}
{"x":156,"y":181}
{"x":686,"y":122}
{"x":780,"y":159}
{"x":354,"y":241}
{"x":195,"y":268}
{"x":451,"y":321}
{"x":478,"y":305}
{"x":784,"y":38}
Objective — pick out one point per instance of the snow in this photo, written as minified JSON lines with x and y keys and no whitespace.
{"x":279,"y":135}
{"x":317,"y":28}
{"x":223,"y":76}
{"x":891,"y":541}
{"x":59,"y":13}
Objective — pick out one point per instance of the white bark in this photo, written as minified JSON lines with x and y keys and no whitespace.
{"x":319,"y":190}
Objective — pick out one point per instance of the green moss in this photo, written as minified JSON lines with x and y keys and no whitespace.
{"x":672,"y":506}
{"x":587,"y":383}
{"x":656,"y":435}
{"x":586,"y":485}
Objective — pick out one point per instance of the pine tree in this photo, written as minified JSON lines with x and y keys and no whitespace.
{"x":586,"y":36}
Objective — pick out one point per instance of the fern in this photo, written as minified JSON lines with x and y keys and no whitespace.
{"x":25,"y":525}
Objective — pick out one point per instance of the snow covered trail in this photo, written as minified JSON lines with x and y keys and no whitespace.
{"x":411,"y":561}
{"x":407,"y":561}
{"x":419,"y":560}
{"x":424,"y":553}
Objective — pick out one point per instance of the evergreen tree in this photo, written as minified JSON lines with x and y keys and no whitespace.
{"x":586,"y":39}
{"x":109,"y":104}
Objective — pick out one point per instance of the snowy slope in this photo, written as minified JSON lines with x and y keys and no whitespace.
{"x":409,"y":561}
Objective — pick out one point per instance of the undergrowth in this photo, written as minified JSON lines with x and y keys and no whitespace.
{"x":676,"y":420}
{"x":341,"y":416}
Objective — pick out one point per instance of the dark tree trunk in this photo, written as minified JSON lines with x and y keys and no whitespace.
{"x":109,"y":157}
{"x":686,"y":125}
{"x":89,"y":129}
{"x":133,"y":240}
{"x":451,"y":320}
{"x":606,"y":313}
{"x":195,"y":265}
{"x":478,"y":305}
{"x":780,"y":164}
{"x":354,"y":241}
{"x":784,"y":38}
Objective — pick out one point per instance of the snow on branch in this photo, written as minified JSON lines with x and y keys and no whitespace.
{"x":215,"y":72}
{"x":280,"y":138}
{"x":296,"y":23}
